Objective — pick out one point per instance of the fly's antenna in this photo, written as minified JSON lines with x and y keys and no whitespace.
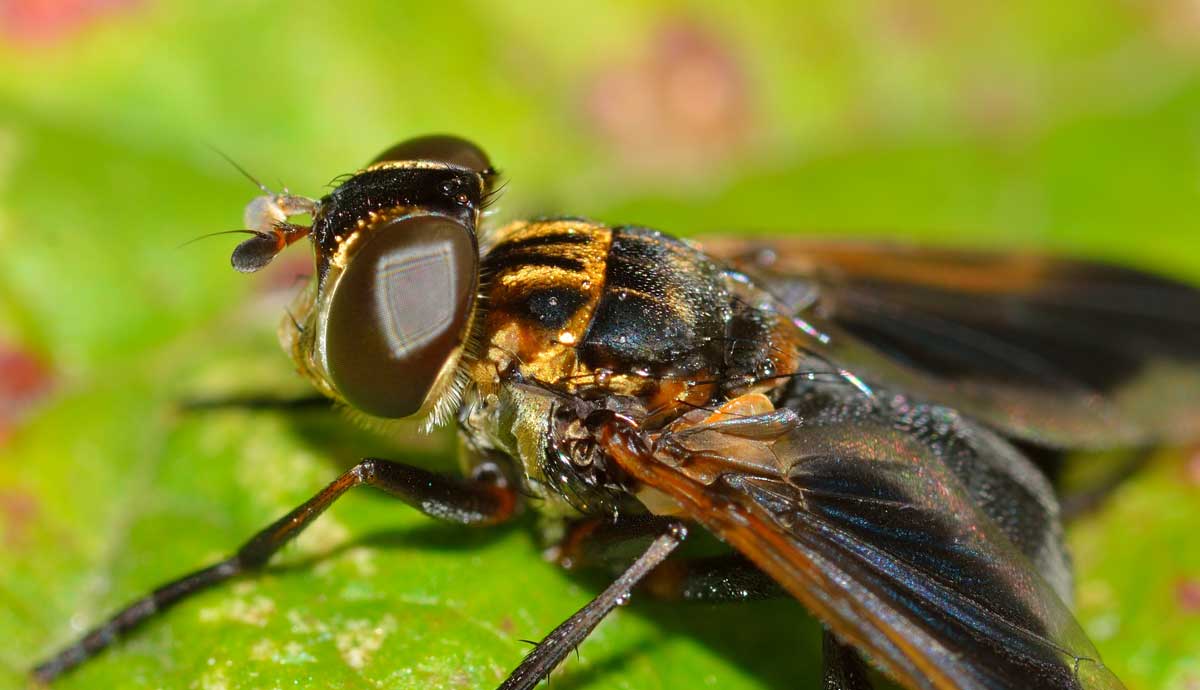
{"x":245,"y":173}
{"x":214,"y":234}
{"x":270,"y":208}
{"x":266,"y":218}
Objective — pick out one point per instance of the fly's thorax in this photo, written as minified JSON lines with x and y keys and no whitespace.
{"x":593,"y":311}
{"x":540,"y":283}
{"x":577,"y":316}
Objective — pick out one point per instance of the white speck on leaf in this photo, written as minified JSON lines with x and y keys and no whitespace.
{"x":360,"y":639}
{"x":256,"y":611}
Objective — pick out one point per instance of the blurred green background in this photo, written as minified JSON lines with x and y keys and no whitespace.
{"x":1069,"y":126}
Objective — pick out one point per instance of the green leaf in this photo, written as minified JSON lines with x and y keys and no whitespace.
{"x":1067,"y":126}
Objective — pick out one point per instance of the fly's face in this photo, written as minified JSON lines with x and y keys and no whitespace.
{"x":384,"y":322}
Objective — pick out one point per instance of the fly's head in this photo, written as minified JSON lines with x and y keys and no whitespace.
{"x":383,"y":325}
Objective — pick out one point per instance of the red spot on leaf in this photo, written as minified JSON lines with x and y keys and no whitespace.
{"x":288,"y":272}
{"x":999,"y":104}
{"x":686,"y":100}
{"x":23,"y":381}
{"x":18,"y":510}
{"x":911,"y":21}
{"x":1187,"y":595}
{"x":1176,"y":23}
{"x":1191,"y":468}
{"x":47,"y":21}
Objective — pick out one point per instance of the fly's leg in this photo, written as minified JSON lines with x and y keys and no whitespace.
{"x":713,"y":579}
{"x":844,"y":668}
{"x":558,"y":644}
{"x":468,"y":502}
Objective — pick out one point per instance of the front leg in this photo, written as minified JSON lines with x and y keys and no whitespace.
{"x":464,"y":501}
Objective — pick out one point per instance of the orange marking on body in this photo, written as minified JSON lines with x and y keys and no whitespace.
{"x":748,"y":405}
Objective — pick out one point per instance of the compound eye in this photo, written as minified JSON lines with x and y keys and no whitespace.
{"x":441,"y":148}
{"x":398,"y":313}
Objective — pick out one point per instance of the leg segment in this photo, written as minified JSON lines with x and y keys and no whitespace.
{"x":550,"y":651}
{"x":455,"y":500}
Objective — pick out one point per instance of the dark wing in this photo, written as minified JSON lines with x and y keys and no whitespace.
{"x":925,"y":541}
{"x":1058,"y":352}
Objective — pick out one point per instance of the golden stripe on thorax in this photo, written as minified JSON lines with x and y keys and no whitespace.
{"x":542,"y":281}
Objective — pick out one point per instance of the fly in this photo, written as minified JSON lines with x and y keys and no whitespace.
{"x":853,"y":420}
